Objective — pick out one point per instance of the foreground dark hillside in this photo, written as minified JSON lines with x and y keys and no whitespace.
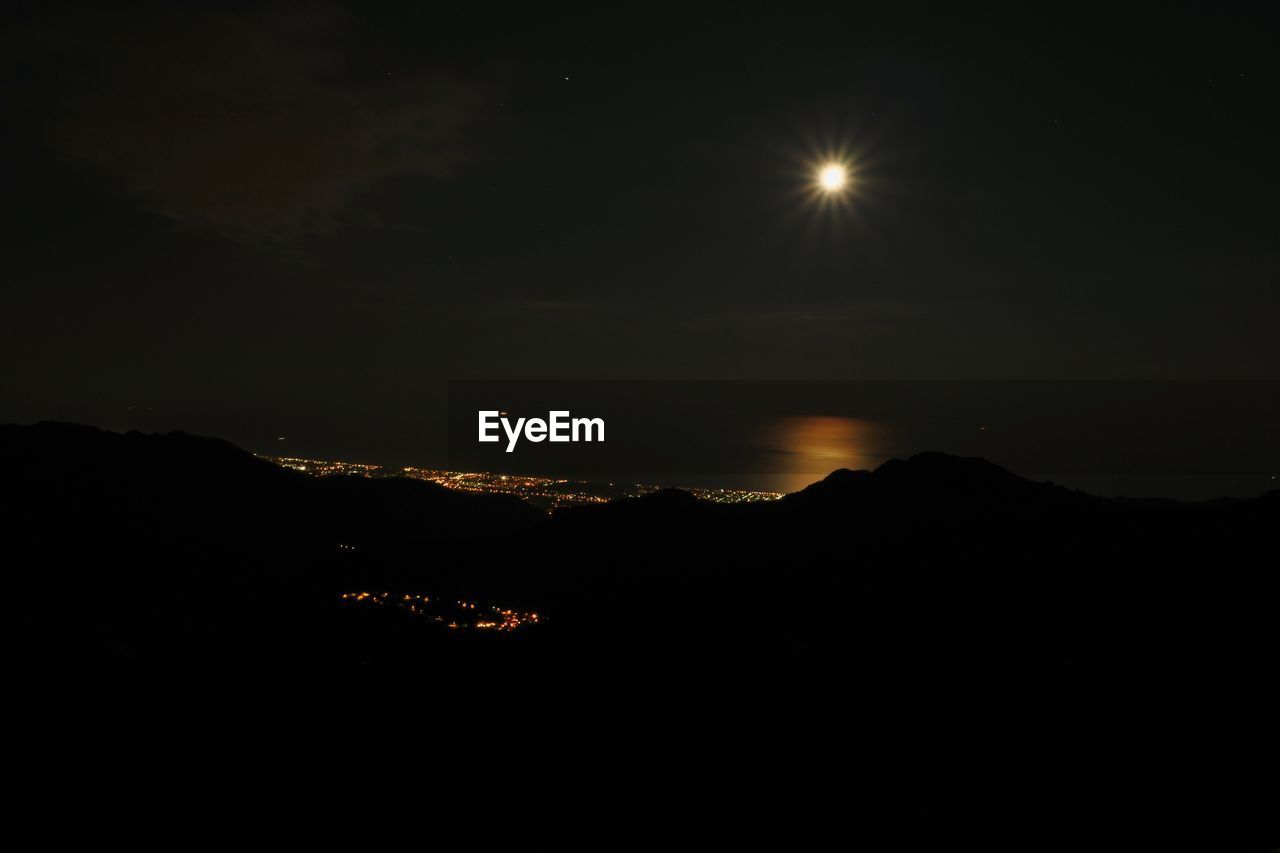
{"x":935,"y":636}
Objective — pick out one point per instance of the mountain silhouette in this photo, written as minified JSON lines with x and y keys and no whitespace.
{"x":56,"y":472}
{"x":935,"y":615}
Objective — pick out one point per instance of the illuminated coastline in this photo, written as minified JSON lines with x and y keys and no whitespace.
{"x":545,"y":492}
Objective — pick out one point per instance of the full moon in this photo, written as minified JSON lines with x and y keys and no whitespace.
{"x":832,"y":177}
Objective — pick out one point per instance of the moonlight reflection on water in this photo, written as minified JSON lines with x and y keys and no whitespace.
{"x":810,"y":447}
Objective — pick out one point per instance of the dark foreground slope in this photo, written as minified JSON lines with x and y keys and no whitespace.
{"x":936,"y":638}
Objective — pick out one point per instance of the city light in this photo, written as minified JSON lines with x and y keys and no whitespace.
{"x":547,"y":493}
{"x":459,"y":614}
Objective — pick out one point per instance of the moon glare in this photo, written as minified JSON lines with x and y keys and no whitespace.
{"x":833,"y":177}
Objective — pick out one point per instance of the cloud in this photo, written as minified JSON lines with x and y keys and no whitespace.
{"x":260,"y":124}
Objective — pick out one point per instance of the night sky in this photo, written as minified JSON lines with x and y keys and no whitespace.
{"x":256,"y":221}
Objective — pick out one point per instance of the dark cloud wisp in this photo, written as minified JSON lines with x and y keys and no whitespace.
{"x":259,"y":124}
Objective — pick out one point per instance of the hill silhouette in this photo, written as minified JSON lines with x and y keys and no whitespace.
{"x":931,"y":620}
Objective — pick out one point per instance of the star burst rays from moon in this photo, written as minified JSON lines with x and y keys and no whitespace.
{"x":833,"y":181}
{"x":830,"y":186}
